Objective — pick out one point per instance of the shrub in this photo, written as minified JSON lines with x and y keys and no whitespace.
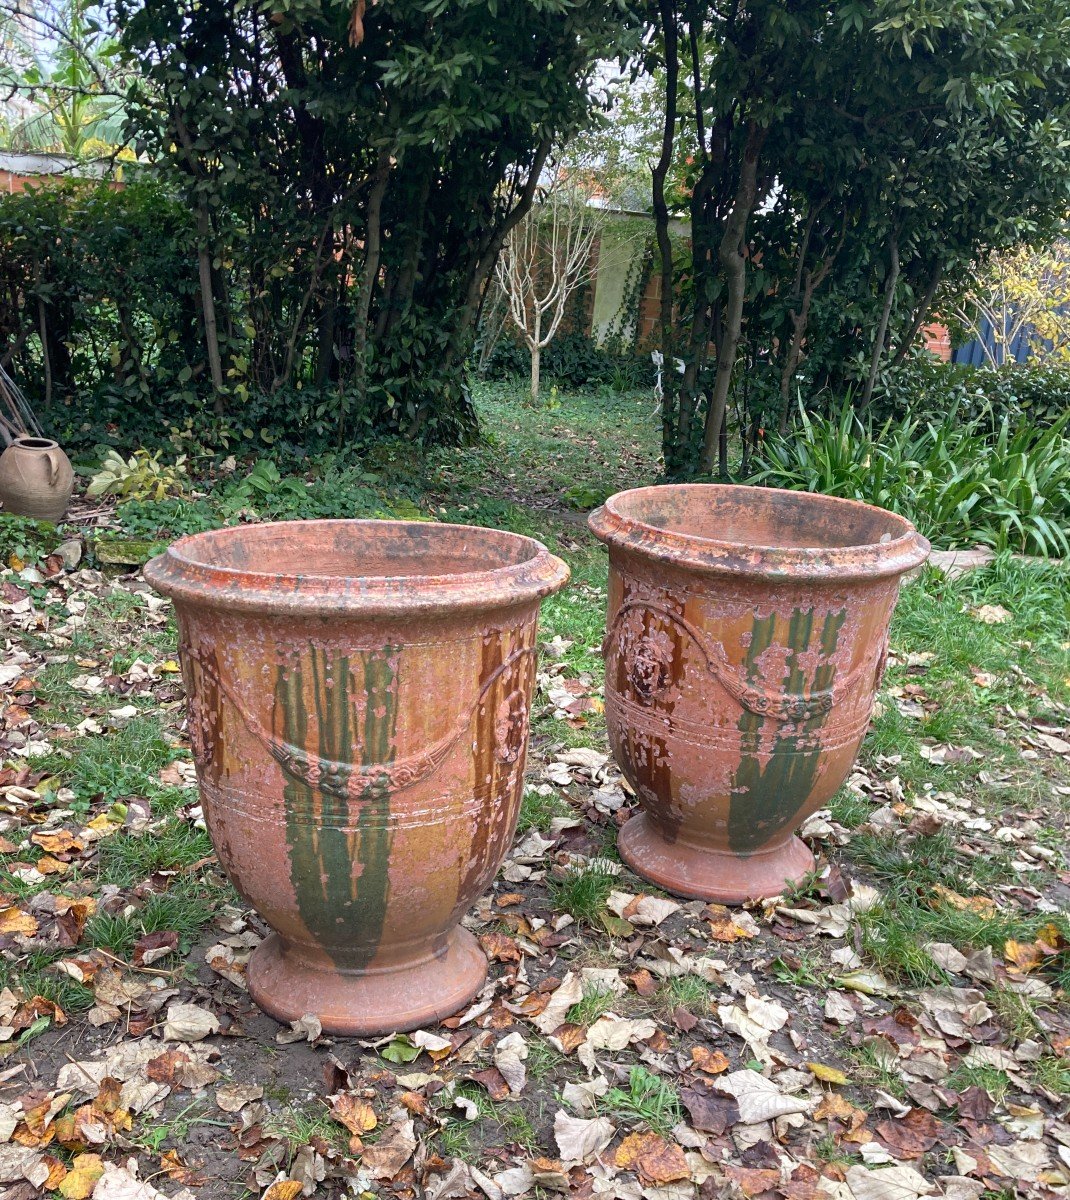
{"x":956,"y":481}
{"x":25,"y":542}
{"x":925,"y":387}
{"x":574,"y":360}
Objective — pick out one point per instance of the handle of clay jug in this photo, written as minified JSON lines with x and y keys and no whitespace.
{"x":54,"y":457}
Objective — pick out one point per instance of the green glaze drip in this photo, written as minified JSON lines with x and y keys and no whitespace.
{"x":766,"y":801}
{"x":341,"y":878}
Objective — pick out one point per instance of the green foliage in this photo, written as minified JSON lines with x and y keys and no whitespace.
{"x":350,"y":197}
{"x":596,"y":1001}
{"x":167,"y":518}
{"x":583,"y":891}
{"x":828,"y":206}
{"x":107,"y":274}
{"x":649,"y":1099}
{"x":926,"y":387}
{"x":958,"y":484}
{"x":573,"y":360}
{"x":126,"y":762}
{"x":537,"y":810}
{"x":24,"y":540}
{"x":143,"y":476}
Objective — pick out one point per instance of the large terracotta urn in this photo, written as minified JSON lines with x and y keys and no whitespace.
{"x":36,"y":479}
{"x":747,"y":634}
{"x":358,"y":713}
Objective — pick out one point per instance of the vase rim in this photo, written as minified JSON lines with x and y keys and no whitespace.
{"x":357,"y":568}
{"x":31,"y":442}
{"x":759,"y":532}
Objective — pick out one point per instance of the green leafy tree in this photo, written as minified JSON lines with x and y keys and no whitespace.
{"x":353,"y":175}
{"x":843,"y":165}
{"x":62,"y":65}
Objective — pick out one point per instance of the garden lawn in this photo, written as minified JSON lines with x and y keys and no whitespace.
{"x":897,"y":1027}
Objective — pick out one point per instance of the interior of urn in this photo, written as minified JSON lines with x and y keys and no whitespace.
{"x":357,"y":549}
{"x":759,"y":517}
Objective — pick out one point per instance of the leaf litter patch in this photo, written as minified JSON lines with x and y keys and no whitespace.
{"x":896,"y":1029}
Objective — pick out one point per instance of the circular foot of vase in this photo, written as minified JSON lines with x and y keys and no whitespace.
{"x":288,"y":986}
{"x":702,"y":874}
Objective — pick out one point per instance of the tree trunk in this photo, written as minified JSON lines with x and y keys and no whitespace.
{"x":536,"y":355}
{"x":886,"y":315}
{"x":211,"y":332}
{"x":659,"y":174}
{"x":369,"y":273}
{"x":732,"y":254}
{"x":920,"y":313}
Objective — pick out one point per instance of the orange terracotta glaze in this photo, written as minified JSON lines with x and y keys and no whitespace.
{"x":747,"y":635}
{"x":358,"y":711}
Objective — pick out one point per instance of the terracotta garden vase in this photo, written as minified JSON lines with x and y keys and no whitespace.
{"x":36,"y":479}
{"x":358,"y":713}
{"x":747,"y":635}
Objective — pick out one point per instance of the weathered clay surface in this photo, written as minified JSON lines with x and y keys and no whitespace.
{"x":358,"y":711}
{"x":747,"y":634}
{"x":36,"y":479}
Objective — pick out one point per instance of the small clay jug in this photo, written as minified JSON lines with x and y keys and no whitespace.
{"x":36,"y":479}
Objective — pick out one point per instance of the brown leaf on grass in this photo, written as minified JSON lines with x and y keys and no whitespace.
{"x":981,"y":906}
{"x":684,"y":1019}
{"x":643,"y":982}
{"x":569,"y":1036}
{"x":81,"y":1179}
{"x":284,"y":1189}
{"x":500,"y":948}
{"x":1027,"y":956}
{"x":753,"y":1181}
{"x":154,"y":946}
{"x":174,"y":1168}
{"x":233,"y":1097}
{"x":581,"y":1140}
{"x":415,"y":1103}
{"x":71,"y":917}
{"x":386,"y":1158}
{"x":913,"y":1135}
{"x":726,"y":926}
{"x":60,"y":843}
{"x":713,"y":1062}
{"x":826,"y":1073}
{"x":14,"y":920}
{"x":355,"y":1114}
{"x":652,"y":1158}
{"x":48,"y":865}
{"x":493,"y":1081}
{"x":709,"y":1112}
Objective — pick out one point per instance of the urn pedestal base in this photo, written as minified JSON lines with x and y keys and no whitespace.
{"x":372,"y":1001}
{"x":701,"y":873}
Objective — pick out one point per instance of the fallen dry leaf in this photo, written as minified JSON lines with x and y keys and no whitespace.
{"x":654,"y":1159}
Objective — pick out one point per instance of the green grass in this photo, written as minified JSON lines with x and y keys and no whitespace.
{"x":543,"y":1060}
{"x":128,"y":859}
{"x":649,"y":1100}
{"x":595,"y":1002}
{"x":1054,"y":1074}
{"x":536,"y":811}
{"x":297,"y":1127}
{"x":684,"y":991}
{"x":583,"y":891}
{"x":36,"y":975}
{"x":1014,"y":1011}
{"x":989,"y":1079}
{"x":123,"y":763}
{"x":184,"y":910}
